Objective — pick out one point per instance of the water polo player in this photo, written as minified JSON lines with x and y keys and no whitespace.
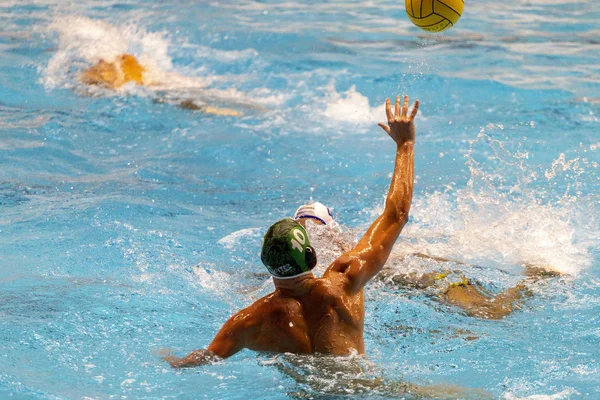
{"x":126,"y":69}
{"x":305,"y":314}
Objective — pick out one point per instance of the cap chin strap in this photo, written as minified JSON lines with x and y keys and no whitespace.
{"x":291,"y":277}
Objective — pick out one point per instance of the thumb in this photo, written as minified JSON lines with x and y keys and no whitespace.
{"x":385,"y":127}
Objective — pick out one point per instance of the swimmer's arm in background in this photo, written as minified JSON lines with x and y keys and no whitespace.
{"x":417,"y":280}
{"x":233,"y":337}
{"x":191,"y":105}
{"x":126,"y":68}
{"x":371,"y":253}
{"x":412,"y":279}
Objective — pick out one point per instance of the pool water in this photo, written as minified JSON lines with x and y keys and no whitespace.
{"x":129,"y":225}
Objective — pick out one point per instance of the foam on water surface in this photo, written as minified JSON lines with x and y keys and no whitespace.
{"x":565,"y":394}
{"x":351,"y":107}
{"x":509,"y":213}
{"x":83,"y":42}
{"x":236,"y":238}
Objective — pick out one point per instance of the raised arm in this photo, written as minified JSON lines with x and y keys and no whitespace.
{"x":231,"y":338}
{"x":370,"y":254}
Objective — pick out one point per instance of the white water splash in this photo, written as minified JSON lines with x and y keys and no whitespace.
{"x":329,"y":242}
{"x":82,"y":42}
{"x":565,"y":394}
{"x":506,"y":216}
{"x":510,"y":222}
{"x":351,"y":107}
{"x":231,"y":241}
{"x":331,"y":110}
{"x":213,"y":280}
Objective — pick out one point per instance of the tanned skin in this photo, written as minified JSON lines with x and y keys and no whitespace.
{"x":325,"y":315}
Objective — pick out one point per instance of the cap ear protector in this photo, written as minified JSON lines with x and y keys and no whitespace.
{"x":286,"y":250}
{"x":310,"y":257}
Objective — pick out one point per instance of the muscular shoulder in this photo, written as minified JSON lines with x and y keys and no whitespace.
{"x":343,"y":263}
{"x":255,"y":311}
{"x":274,"y":304}
{"x":345,"y":272}
{"x":337,"y":271}
{"x":329,"y":287}
{"x":275,"y":313}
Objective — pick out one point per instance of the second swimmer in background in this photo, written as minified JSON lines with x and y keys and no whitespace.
{"x":125,"y":69}
{"x":465,"y":293}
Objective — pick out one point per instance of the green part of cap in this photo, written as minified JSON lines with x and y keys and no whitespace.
{"x":284,"y":249}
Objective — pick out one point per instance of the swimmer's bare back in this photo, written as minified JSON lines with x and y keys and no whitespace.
{"x":325,"y":315}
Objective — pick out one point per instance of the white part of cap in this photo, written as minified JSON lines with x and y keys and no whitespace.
{"x":316,"y":211}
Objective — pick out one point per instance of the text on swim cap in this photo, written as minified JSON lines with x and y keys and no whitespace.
{"x":299,"y":241}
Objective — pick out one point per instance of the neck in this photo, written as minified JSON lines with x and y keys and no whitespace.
{"x":294,"y":287}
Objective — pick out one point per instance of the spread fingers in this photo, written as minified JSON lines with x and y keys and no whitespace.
{"x":415,"y":109}
{"x":388,"y":110}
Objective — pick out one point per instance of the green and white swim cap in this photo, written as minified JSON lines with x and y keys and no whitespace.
{"x":286,"y":250}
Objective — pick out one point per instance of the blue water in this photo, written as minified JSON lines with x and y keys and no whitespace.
{"x":128,"y":225}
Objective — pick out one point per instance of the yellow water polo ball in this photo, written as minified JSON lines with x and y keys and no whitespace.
{"x":434,"y":15}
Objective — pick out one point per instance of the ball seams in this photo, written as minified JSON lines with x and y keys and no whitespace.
{"x":440,"y":17}
{"x":456,"y":12}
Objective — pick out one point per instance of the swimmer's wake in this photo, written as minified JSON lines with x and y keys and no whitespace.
{"x":96,"y":58}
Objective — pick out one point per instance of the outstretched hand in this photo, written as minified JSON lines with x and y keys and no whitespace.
{"x":400,"y":126}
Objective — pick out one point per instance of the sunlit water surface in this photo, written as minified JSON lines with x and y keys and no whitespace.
{"x":128,"y":225}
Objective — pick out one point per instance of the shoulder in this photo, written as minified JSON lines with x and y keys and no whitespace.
{"x":253,"y":314}
{"x":333,"y":284}
{"x":274,"y":304}
{"x":264,"y":303}
{"x":341,"y":266}
{"x":346,"y":272}
{"x":274,"y":311}
{"x":250,"y":320}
